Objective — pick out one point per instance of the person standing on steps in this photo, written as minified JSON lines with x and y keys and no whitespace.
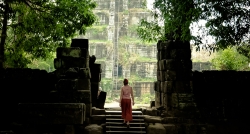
{"x":125,"y":102}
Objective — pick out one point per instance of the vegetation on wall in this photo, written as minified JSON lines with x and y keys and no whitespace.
{"x":134,"y":41}
{"x":42,"y":64}
{"x":244,"y":49}
{"x":97,"y":29}
{"x":230,"y":59}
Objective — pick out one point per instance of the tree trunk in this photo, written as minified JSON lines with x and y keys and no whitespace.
{"x":4,"y":33}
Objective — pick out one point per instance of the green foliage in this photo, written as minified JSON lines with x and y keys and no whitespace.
{"x":175,"y":17}
{"x":230,"y":59}
{"x":144,"y":98}
{"x":230,"y":21}
{"x":125,"y":12}
{"x":227,"y":21}
{"x":106,"y":85}
{"x":146,"y":59}
{"x":244,"y":49}
{"x":41,"y":64}
{"x":134,"y":41}
{"x":150,"y":31}
{"x":97,"y":29}
{"x":39,"y":27}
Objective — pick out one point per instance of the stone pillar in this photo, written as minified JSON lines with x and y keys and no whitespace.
{"x":174,"y":75}
{"x":73,"y":73}
{"x":95,"y":81}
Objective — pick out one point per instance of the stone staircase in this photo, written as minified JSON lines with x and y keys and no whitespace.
{"x":114,"y":123}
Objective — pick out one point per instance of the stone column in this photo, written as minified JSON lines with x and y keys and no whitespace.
{"x":73,"y":73}
{"x":174,"y":76}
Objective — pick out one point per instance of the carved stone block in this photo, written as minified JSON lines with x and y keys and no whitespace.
{"x":180,"y":54}
{"x":68,"y":52}
{"x":81,"y":43}
{"x":69,"y":62}
{"x":162,"y":86}
{"x":172,"y":64}
{"x":162,"y":64}
{"x":168,"y":87}
{"x":161,"y":75}
{"x":173,"y":75}
{"x":52,"y":113}
{"x":182,"y":87}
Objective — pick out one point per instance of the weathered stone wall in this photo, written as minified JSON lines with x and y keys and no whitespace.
{"x":22,"y":86}
{"x":143,"y":88}
{"x":172,"y":88}
{"x":143,"y":51}
{"x":221,"y":95}
{"x":144,"y":69}
{"x":65,"y":96}
{"x":199,"y":102}
{"x":199,"y":66}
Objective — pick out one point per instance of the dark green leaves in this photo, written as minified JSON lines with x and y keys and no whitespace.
{"x":38,"y":27}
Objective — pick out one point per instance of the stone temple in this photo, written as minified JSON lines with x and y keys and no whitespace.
{"x":65,"y":101}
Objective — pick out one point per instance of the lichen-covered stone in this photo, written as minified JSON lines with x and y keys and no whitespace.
{"x":172,"y":75}
{"x":162,"y":86}
{"x":152,"y":119}
{"x":73,"y":84}
{"x":165,"y":100}
{"x":180,"y":54}
{"x":85,"y":73}
{"x":67,"y":84}
{"x":98,"y":119}
{"x":93,"y":129}
{"x":182,"y":87}
{"x":156,"y":128}
{"x":84,"y":84}
{"x":52,"y":113}
{"x":157,"y":99}
{"x":81,"y":43}
{"x":88,"y":109}
{"x":97,"y":111}
{"x":68,"y":52}
{"x":150,"y":112}
{"x":69,"y":62}
{"x":66,"y":96}
{"x":178,"y":64}
{"x":170,"y":128}
{"x":168,"y":87}
{"x":162,"y":64}
{"x":161,"y":75}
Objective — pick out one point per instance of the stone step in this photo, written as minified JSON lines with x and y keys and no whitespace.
{"x":119,"y":109}
{"x":124,"y":128}
{"x":114,"y":123}
{"x":125,"y":132}
{"x":132,"y":124}
{"x":120,"y":112}
{"x":119,"y":116}
{"x":120,"y":120}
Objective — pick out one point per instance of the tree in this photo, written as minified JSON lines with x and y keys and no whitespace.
{"x":175,"y":17}
{"x":244,"y":49}
{"x":32,"y":29}
{"x":230,"y":59}
{"x":228,"y":21}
